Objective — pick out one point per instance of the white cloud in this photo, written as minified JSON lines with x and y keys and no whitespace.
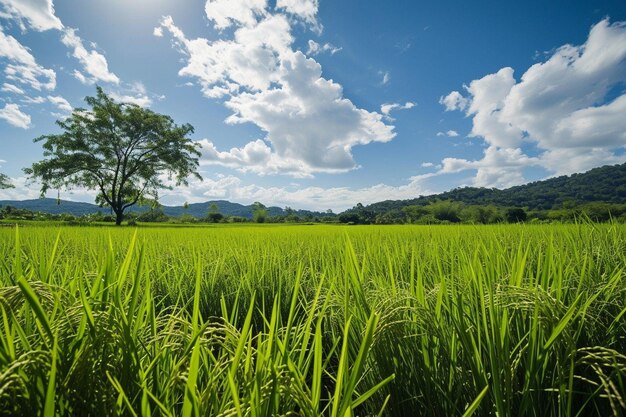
{"x":23,"y":67}
{"x":140,"y":100}
{"x":292,"y":115}
{"x":249,"y":61}
{"x":135,"y":93}
{"x":26,"y":189}
{"x":454,"y":101}
{"x":224,"y":13}
{"x":315,"y":198}
{"x":234,"y":189}
{"x":158,"y":32}
{"x":315,"y":48}
{"x":94,"y":63}
{"x":427,"y":165}
{"x":256,"y":157}
{"x":10,"y":88}
{"x":449,"y":133}
{"x":500,"y":167}
{"x":565,"y":106}
{"x":61,"y":103}
{"x":14,"y":116}
{"x":81,"y":77}
{"x":38,"y":13}
{"x":280,"y":90}
{"x":34,"y":100}
{"x":488,"y":95}
{"x":303,"y":9}
{"x":389,"y":107}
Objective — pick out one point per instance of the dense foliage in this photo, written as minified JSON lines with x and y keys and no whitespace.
{"x":121,"y":150}
{"x":5,"y":182}
{"x":502,"y":320}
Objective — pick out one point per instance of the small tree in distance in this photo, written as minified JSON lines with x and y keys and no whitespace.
{"x":214,"y":215}
{"x":259,"y":212}
{"x":125,"y":152}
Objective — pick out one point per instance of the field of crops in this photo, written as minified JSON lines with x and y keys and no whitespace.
{"x":512,"y":320}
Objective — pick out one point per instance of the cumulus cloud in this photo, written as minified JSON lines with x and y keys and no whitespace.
{"x":93,"y":62}
{"x":225,"y":13}
{"x":39,"y":14}
{"x":22,"y":67}
{"x":569,"y":107}
{"x":14,"y":116}
{"x":454,"y":101}
{"x":256,"y":157}
{"x":303,"y":9}
{"x":500,"y":167}
{"x":315,"y":48}
{"x":267,"y":83}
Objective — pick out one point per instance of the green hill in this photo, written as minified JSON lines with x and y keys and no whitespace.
{"x":604,"y":184}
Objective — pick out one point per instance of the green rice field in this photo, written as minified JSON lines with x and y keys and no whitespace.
{"x":503,"y":320}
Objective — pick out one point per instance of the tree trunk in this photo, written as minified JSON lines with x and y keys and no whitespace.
{"x":119,"y":216}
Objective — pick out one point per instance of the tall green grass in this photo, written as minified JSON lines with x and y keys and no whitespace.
{"x":311,"y":321}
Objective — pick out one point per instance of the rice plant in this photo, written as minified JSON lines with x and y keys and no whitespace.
{"x":503,"y":320}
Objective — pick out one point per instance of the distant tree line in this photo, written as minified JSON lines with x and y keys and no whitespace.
{"x":436,"y":212}
{"x":450,"y":211}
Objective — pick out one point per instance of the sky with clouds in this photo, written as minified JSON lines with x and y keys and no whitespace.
{"x":321,"y":104}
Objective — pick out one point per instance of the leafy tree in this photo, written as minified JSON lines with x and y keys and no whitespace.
{"x":516,"y":215}
{"x":155,"y":215}
{"x":414,"y":213}
{"x":214,"y":215}
{"x":349,"y":217}
{"x":481,"y":214}
{"x":446,"y":210}
{"x":259,"y":212}
{"x":4,"y":182}
{"x":123,"y":151}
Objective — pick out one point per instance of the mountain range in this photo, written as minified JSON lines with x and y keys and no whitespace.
{"x":227,"y":208}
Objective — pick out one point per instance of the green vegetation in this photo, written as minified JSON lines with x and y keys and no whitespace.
{"x":261,"y":320}
{"x":597,"y":195}
{"x":605,"y":184}
{"x":120,"y":150}
{"x":5,"y":182}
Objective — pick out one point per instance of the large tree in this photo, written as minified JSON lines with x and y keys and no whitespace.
{"x":4,"y":182}
{"x":125,"y":152}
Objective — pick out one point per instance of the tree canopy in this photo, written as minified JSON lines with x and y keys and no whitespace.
{"x":4,"y":182}
{"x":123,"y":151}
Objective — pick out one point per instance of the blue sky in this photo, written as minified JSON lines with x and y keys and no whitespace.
{"x":323,"y":104}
